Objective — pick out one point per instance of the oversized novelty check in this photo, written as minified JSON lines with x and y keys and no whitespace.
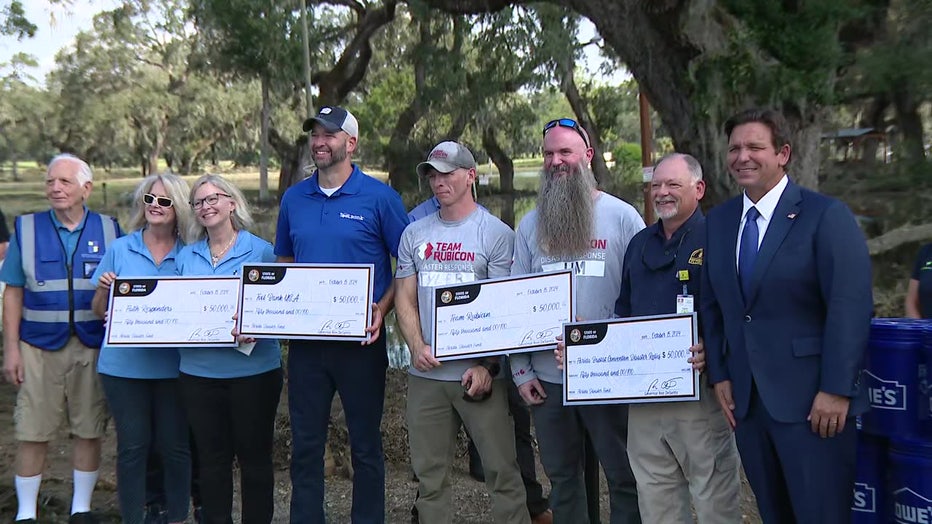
{"x":506,"y":315}
{"x":631,"y":360}
{"x":306,"y":301}
{"x":172,"y":311}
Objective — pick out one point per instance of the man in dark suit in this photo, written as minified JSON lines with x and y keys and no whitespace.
{"x":786,"y":307}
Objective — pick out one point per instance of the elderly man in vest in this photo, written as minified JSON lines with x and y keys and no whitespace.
{"x":51,"y":337}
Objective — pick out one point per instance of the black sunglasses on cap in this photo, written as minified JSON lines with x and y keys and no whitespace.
{"x":570,"y":123}
{"x":149,"y":198}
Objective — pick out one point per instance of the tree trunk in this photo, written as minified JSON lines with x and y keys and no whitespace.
{"x":401,"y":155}
{"x":910,"y":124}
{"x":804,"y":160}
{"x":264,"y":142}
{"x":875,"y":119}
{"x":294,"y":156}
{"x":581,"y":110}
{"x":506,"y":174}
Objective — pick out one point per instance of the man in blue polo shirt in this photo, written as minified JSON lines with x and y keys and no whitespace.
{"x":4,"y":244}
{"x":51,"y":337}
{"x":679,"y":451}
{"x":339,"y":215}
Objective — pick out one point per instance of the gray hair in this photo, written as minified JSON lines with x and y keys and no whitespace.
{"x":177,"y":190}
{"x":84,"y":174}
{"x":242,"y":218}
{"x":692,"y":165}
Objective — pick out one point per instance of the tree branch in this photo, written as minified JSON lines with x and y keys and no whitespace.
{"x":897,"y":237}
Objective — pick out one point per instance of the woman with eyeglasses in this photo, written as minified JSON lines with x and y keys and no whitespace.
{"x":231,"y":395}
{"x":141,"y":384}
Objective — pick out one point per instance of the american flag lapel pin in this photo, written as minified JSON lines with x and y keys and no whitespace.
{"x":791,"y":216}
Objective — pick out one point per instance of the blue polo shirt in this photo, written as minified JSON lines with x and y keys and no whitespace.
{"x":129,"y":257}
{"x":361,"y":223}
{"x":12,"y":272}
{"x":194,"y":259}
{"x":651,"y":276}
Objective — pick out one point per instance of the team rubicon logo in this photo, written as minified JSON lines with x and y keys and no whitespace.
{"x":445,"y":252}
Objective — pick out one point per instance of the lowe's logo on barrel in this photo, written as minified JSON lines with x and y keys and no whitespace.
{"x":886,"y":394}
{"x":865,"y":498}
{"x":910,"y":507}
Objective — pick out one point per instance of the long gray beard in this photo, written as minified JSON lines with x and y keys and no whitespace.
{"x":565,"y":218}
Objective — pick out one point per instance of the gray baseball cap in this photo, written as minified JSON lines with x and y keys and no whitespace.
{"x":446,"y":157}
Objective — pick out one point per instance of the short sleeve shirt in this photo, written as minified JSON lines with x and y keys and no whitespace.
{"x":360,"y":223}
{"x":922,"y":272}
{"x":128,"y":256}
{"x":441,"y":253}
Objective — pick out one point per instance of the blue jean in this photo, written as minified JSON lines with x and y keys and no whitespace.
{"x":316,"y":370}
{"x":147,"y":413}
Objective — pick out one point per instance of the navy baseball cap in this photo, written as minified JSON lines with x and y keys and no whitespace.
{"x":333,"y":119}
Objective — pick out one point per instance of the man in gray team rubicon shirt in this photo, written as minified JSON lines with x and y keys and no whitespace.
{"x":460,"y":243}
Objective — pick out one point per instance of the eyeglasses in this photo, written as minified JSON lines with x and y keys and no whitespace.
{"x":210,"y":200}
{"x":149,"y":199}
{"x":570,"y":123}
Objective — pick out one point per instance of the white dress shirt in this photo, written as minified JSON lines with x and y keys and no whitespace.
{"x":766,"y":207}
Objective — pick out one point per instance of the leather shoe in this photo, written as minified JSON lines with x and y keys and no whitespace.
{"x":83,"y":518}
{"x":543,"y":518}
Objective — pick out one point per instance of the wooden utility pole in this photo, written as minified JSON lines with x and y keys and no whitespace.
{"x":307,"y":59}
{"x":647,"y":155}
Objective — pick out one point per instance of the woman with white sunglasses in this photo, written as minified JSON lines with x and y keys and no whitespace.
{"x":141,"y":384}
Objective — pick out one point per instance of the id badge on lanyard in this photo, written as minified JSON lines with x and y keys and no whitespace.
{"x":685,"y":303}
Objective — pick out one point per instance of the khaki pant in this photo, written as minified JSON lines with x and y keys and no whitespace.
{"x":435,"y":409}
{"x":682,"y":451}
{"x":60,"y":386}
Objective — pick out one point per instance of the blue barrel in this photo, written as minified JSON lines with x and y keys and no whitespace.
{"x":869,"y":503}
{"x":892,"y":377}
{"x":910,"y":485}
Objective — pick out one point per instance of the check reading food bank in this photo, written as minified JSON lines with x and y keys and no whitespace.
{"x":172,"y":312}
{"x":630,"y":360}
{"x":506,"y":315}
{"x":306,"y":301}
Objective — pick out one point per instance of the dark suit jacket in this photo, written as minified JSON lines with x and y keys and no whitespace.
{"x":805,"y":325}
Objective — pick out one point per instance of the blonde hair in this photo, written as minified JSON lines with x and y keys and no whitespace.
{"x":242,"y":218}
{"x":177,"y":190}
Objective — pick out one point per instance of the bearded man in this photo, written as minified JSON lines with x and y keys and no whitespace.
{"x":576,"y":226}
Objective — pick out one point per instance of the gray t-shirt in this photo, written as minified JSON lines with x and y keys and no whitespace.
{"x":443,"y":253}
{"x":598,"y":274}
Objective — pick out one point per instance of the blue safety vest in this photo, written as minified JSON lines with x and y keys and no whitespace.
{"x":58,"y":291}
